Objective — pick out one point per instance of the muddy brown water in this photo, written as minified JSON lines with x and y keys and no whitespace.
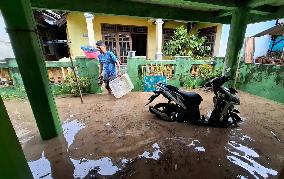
{"x":119,"y":138}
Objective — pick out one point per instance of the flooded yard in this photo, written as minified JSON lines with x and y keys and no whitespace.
{"x":120,"y":138}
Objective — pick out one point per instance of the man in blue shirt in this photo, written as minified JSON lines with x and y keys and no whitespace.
{"x":108,"y":64}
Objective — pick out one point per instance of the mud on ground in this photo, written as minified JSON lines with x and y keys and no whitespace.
{"x":120,"y":138}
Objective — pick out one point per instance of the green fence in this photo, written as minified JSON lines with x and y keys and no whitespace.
{"x":258,"y":79}
{"x":182,"y":67}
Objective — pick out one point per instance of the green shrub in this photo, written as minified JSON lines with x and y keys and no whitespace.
{"x":183,"y":44}
{"x":70,"y":85}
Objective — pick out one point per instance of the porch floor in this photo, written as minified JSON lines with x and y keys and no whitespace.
{"x":110,"y":138}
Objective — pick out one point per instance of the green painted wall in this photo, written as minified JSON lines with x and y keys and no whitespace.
{"x":262,"y":80}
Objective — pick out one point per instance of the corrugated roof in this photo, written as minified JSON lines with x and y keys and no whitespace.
{"x":276,"y":30}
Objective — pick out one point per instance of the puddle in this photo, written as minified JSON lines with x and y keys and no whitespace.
{"x":124,"y":161}
{"x":155,"y":154}
{"x":40,"y":168}
{"x":197,"y":148}
{"x":104,"y":166}
{"x":246,"y":158}
{"x":200,"y":149}
{"x":245,"y":137}
{"x":70,"y":129}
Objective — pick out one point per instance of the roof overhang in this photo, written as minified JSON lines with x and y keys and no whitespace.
{"x":216,"y":11}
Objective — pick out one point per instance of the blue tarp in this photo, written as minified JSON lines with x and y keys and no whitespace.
{"x":151,"y":81}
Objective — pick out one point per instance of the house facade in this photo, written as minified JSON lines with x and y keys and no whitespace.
{"x":146,"y":36}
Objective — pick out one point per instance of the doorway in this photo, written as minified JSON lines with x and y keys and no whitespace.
{"x":124,"y":38}
{"x":139,"y":44}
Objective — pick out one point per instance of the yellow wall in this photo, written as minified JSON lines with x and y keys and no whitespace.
{"x":76,"y":27}
{"x":125,"y":20}
{"x":218,"y":34}
{"x":173,"y":25}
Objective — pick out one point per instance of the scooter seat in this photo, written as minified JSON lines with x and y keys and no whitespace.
{"x":191,"y":97}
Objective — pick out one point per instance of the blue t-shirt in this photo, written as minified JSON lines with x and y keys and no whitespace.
{"x":108,"y":61}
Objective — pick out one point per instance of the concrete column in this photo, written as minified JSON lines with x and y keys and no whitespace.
{"x":25,"y":42}
{"x":236,"y":39}
{"x":90,"y":27}
{"x":13,"y":163}
{"x":159,"y":38}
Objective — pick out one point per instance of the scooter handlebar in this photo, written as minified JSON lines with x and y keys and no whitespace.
{"x":217,"y":81}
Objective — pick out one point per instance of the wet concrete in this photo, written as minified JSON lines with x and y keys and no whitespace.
{"x":109,"y":138}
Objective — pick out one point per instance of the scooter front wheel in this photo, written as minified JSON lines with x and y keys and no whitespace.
{"x":163,"y":111}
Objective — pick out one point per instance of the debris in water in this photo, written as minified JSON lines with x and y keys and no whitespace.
{"x":108,"y":124}
{"x":176,"y":166}
{"x":275,"y":136}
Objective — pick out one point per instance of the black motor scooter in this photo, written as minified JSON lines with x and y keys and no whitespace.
{"x":184,"y":106}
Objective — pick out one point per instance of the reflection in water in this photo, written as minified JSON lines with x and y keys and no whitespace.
{"x":70,"y":129}
{"x":242,"y":177}
{"x":124,"y":161}
{"x":40,"y":168}
{"x":197,"y":148}
{"x":244,"y":157}
{"x":200,"y":149}
{"x":156,"y":153}
{"x":104,"y":166}
{"x":244,"y":137}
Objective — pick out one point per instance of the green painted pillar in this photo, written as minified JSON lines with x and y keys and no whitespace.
{"x":25,"y":42}
{"x":12,"y":159}
{"x":236,"y":38}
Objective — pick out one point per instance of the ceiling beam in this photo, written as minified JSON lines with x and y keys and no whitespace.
{"x":215,"y":2}
{"x":279,"y":13}
{"x":224,"y":13}
{"x":257,"y":3}
{"x":194,"y":4}
{"x":130,"y":8}
{"x":259,"y":12}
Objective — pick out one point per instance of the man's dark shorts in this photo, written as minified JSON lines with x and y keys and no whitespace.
{"x":106,"y":81}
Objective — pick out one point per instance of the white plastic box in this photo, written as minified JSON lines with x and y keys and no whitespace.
{"x":120,"y":86}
